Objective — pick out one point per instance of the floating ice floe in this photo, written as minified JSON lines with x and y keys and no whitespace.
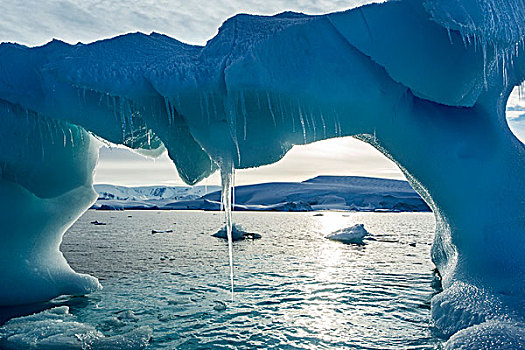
{"x":98,"y":223}
{"x":354,"y":234}
{"x":161,"y":231}
{"x":238,"y":233}
{"x":167,"y":257}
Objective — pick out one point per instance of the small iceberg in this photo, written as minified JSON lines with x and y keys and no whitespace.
{"x":97,"y":223}
{"x":167,"y":257}
{"x":350,"y":235}
{"x":238,"y":233}
{"x":161,"y":231}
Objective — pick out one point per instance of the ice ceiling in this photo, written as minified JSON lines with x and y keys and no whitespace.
{"x":425,"y":82}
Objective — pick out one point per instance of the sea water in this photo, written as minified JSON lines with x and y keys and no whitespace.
{"x":294,"y":289}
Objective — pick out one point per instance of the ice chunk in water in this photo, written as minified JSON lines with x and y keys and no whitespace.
{"x":57,"y":328}
{"x":353,"y":234}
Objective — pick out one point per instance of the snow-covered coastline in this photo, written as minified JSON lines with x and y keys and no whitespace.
{"x":321,"y":193}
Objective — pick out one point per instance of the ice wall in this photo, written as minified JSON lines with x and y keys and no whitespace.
{"x":425,"y":82}
{"x":45,"y":185}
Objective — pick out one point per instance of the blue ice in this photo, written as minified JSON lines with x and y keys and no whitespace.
{"x":425,"y":82}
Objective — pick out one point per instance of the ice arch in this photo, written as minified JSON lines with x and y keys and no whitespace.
{"x":425,"y":82}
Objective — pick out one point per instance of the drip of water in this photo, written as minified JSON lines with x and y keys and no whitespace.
{"x":227,"y":179}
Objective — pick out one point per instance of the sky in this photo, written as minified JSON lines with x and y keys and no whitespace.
{"x":343,"y":156}
{"x":35,"y":22}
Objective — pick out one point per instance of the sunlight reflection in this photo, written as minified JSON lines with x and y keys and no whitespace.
{"x":331,"y":222}
{"x":326,"y":304}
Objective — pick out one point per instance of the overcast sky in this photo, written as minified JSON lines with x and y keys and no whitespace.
{"x":35,"y":22}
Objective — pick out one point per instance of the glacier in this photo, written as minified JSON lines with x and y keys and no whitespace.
{"x":426,"y":82}
{"x":320,"y":193}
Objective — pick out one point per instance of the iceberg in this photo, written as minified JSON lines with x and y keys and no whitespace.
{"x":426,"y":82}
{"x":350,"y":235}
{"x":238,"y":233}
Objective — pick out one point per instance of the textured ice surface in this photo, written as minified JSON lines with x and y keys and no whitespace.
{"x":58,"y":329}
{"x":492,"y":21}
{"x":353,"y":234}
{"x":424,"y":81}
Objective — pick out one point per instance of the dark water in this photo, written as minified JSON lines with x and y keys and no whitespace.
{"x":294,"y":289}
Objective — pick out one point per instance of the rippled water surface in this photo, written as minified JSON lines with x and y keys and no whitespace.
{"x":294,"y":289}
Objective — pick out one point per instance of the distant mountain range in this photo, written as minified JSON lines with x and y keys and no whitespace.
{"x":320,"y":193}
{"x":146,"y":193}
